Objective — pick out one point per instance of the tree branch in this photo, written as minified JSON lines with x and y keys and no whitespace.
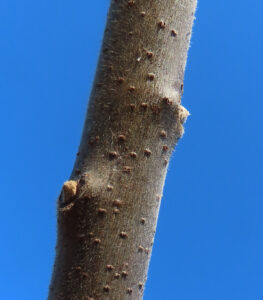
{"x":107,"y":211}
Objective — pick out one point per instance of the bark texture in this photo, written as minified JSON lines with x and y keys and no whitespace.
{"x":107,"y":211}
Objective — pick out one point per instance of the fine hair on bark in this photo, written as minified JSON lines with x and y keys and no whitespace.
{"x":108,"y":209}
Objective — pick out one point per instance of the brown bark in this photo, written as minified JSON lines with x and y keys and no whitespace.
{"x":107,"y":211}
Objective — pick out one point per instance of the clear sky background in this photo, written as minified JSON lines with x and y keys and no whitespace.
{"x":209,"y":241}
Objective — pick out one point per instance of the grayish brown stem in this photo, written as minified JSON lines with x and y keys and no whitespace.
{"x":107,"y":211}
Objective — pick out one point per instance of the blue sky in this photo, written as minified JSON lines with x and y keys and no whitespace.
{"x":209,"y":241}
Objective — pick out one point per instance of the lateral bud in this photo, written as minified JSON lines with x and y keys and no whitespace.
{"x":69,"y":190}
